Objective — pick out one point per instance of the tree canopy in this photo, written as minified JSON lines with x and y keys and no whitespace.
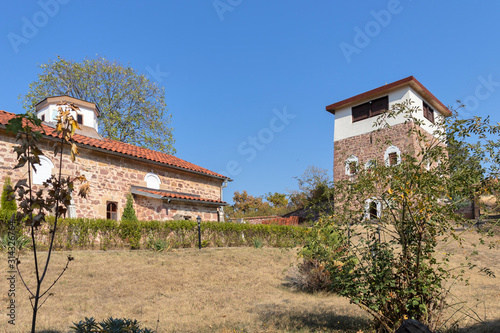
{"x":133,"y":109}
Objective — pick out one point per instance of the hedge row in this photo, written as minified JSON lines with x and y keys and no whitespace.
{"x":108,"y":234}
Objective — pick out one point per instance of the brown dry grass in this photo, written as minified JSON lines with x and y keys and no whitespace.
{"x":210,"y":290}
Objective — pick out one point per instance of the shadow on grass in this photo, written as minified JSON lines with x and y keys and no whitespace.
{"x":489,"y":326}
{"x":313,"y":321}
{"x":50,"y":331}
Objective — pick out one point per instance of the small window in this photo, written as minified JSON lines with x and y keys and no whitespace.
{"x":351,"y":166}
{"x":393,"y":159}
{"x":379,"y":106}
{"x":370,"y":109}
{"x":369,"y":165}
{"x":152,"y":181}
{"x":43,"y":170}
{"x":373,"y":210}
{"x":360,"y":112}
{"x":79,"y":119}
{"x":43,"y":117}
{"x":111,"y":210}
{"x":428,"y":112}
{"x":392,"y":156}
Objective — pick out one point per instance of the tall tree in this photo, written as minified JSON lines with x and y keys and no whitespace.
{"x":313,"y":184}
{"x":133,"y":109}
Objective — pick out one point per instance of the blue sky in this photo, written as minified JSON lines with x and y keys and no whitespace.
{"x":247,"y":82}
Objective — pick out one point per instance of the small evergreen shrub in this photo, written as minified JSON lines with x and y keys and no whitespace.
{"x":7,"y":209}
{"x":129,"y":211}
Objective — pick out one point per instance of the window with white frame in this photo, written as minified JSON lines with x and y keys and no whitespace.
{"x":392,"y":156}
{"x":373,"y":209}
{"x":43,"y":170}
{"x":351,"y":165}
{"x":370,"y":164}
{"x":152,"y":181}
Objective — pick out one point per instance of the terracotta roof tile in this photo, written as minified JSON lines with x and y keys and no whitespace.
{"x":124,"y":148}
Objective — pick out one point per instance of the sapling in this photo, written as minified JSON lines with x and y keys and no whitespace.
{"x":54,"y":195}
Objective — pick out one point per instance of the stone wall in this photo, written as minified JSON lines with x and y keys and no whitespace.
{"x":372,"y":146}
{"x":110,"y":178}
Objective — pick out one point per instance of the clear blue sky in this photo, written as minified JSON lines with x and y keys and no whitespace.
{"x":247,"y":81}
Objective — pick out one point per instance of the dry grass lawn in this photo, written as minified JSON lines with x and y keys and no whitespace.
{"x":210,"y":290}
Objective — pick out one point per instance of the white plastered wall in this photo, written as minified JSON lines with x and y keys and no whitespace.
{"x":345,"y":128}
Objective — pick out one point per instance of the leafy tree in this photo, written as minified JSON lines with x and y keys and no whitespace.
{"x":132,"y":107}
{"x":313,"y":185}
{"x":277,"y":200}
{"x":129,"y":211}
{"x":248,"y":205}
{"x":55,"y":196}
{"x":389,"y":265}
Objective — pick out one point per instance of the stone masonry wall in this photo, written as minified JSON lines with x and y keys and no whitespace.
{"x":372,"y":146}
{"x":110,"y":178}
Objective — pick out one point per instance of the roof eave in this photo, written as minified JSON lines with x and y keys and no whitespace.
{"x":408,"y":81}
{"x":137,"y":191}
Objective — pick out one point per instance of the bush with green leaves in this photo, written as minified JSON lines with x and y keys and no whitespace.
{"x":131,"y":231}
{"x":389,"y":266}
{"x":84,"y":233}
{"x":110,"y":325}
{"x":129,"y":211}
{"x":8,"y":207}
{"x":19,"y":243}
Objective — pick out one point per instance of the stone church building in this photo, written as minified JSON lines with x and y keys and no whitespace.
{"x":357,"y":144}
{"x":163,"y":186}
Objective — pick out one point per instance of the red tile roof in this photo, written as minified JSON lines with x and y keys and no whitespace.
{"x":124,"y":148}
{"x":409,"y":81}
{"x":169,"y":195}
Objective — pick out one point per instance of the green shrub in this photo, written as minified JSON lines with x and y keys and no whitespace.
{"x":19,"y":243}
{"x":105,"y":234}
{"x":258,"y":243}
{"x":130,"y":230}
{"x":7,"y":209}
{"x":8,"y":205}
{"x":129,"y":211}
{"x":110,"y":325}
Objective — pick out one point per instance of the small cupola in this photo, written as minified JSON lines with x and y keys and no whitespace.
{"x":87,"y":117}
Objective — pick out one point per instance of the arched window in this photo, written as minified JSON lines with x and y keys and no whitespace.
{"x":152,"y":181}
{"x":351,"y":165}
{"x":392,"y":156}
{"x":369,"y":165}
{"x":43,"y":170}
{"x":373,"y":208}
{"x":111,"y":210}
